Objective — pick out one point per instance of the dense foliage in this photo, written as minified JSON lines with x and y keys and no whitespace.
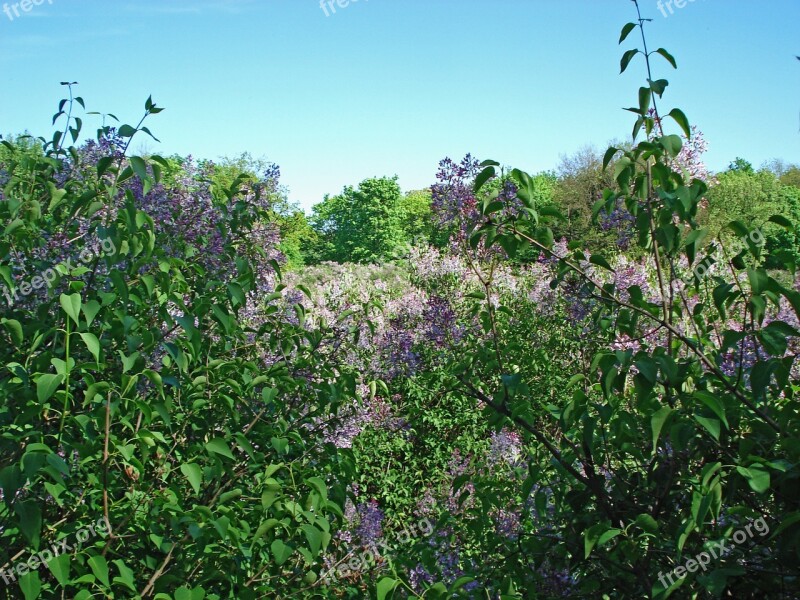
{"x":572,"y":384}
{"x":371,"y":223}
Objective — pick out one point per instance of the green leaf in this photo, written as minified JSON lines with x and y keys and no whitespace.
{"x":492,"y":207}
{"x":657,"y":423}
{"x":460,"y":582}
{"x":386,"y":585}
{"x":90,"y":310}
{"x":669,"y":57}
{"x":591,"y":536}
{"x":758,"y":280}
{"x":178,"y":355}
{"x":714,"y":404}
{"x":183,"y":593}
{"x":608,"y":535}
{"x":318,"y":484}
{"x":711,"y":425}
{"x":139,"y":167}
{"x":126,"y":131}
{"x":229,"y":496}
{"x":220,"y":446}
{"x":93,"y":344}
{"x":103,"y":165}
{"x":483,"y":177}
{"x":59,"y":566}
{"x":236,"y":294}
{"x":222,"y":525}
{"x":47,"y":385}
{"x":31,"y":585}
{"x":622,"y":165}
{"x":645,"y":96}
{"x":626,"y":59}
{"x":56,"y":196}
{"x":314,"y":537}
{"x":194,"y":474}
{"x":626,"y":31}
{"x":265,"y":527}
{"x":680,"y":119}
{"x":13,"y":226}
{"x":30,"y":521}
{"x":128,"y":362}
{"x":126,"y":576}
{"x":600,"y":261}
{"x":775,"y":337}
{"x":99,"y":567}
{"x":280,"y":551}
{"x":281,"y":445}
{"x":659,"y":86}
{"x":14,"y":329}
{"x":757,"y":478}
{"x":72,"y":306}
{"x":609,"y":156}
{"x":672,"y":144}
{"x":647,"y":523}
{"x":782,"y":221}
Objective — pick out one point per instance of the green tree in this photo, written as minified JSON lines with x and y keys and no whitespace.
{"x":791,"y":177}
{"x":363,"y":224}
{"x":581,"y":181}
{"x":741,"y":165}
{"x":416,"y":216}
{"x":742,"y":194}
{"x":781,"y":241}
{"x":752,"y":197}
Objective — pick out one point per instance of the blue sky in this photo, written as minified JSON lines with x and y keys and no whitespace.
{"x":385,"y":87}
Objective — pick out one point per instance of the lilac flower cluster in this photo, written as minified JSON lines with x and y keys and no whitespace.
{"x":505,"y":447}
{"x":370,"y":523}
{"x":452,"y":198}
{"x":690,"y":158}
{"x":621,"y":222}
{"x":359,"y":413}
{"x":5,"y":177}
{"x":442,"y":328}
{"x":448,"y":564}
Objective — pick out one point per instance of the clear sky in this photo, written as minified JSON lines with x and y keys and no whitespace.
{"x":385,"y":87}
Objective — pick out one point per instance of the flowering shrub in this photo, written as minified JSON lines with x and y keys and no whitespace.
{"x":132,"y":390}
{"x":566,"y":416}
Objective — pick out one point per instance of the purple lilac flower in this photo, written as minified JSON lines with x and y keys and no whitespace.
{"x":370,"y":526}
{"x":505,"y":447}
